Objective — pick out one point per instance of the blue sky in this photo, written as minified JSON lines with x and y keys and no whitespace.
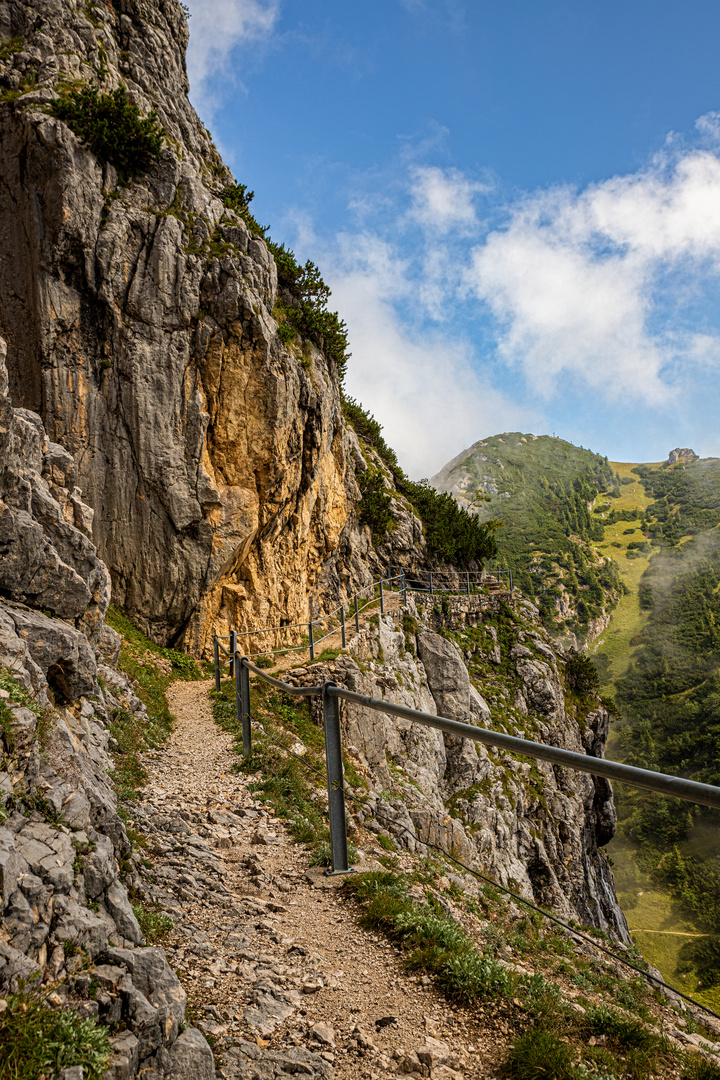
{"x":516,"y":205}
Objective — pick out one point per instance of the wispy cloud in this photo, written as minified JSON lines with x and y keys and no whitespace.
{"x":442,"y":199}
{"x":217,"y":29}
{"x":423,"y":386}
{"x":586,"y":284}
{"x":587,"y":311}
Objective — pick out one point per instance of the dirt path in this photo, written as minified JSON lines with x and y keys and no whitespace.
{"x":279,"y":974}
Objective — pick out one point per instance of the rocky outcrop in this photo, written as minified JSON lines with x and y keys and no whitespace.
{"x":140,"y":325}
{"x":682,"y":456}
{"x":531,"y":826}
{"x":65,"y":860}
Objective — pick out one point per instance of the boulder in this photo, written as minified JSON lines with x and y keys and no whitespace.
{"x":191,"y":1057}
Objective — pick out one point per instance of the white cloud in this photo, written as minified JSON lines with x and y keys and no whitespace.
{"x":582,"y":282}
{"x":442,"y":199}
{"x":422,"y":387}
{"x":217,"y":28}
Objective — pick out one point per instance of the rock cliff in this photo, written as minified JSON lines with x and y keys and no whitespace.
{"x":533,"y":827}
{"x":65,"y":860}
{"x":139,"y":320}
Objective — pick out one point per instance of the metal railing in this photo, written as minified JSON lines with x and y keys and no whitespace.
{"x":457,"y":581}
{"x":337,"y":619}
{"x":446,"y":582}
{"x":332,"y":694}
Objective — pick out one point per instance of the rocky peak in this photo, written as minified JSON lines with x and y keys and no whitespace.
{"x":684,"y":456}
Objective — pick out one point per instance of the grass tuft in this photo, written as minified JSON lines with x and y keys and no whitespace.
{"x":37,"y":1040}
{"x":153,"y":922}
{"x":435,"y":943}
{"x":539,"y":1054}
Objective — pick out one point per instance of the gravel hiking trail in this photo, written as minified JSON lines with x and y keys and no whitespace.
{"x":280,"y":976}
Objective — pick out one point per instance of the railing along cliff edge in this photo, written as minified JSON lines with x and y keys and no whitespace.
{"x":332,"y":694}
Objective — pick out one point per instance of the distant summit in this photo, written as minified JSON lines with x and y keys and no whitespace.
{"x":544,"y":489}
{"x":682,"y":456}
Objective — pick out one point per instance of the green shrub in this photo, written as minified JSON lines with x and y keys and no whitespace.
{"x":112,"y":127}
{"x":303,"y":310}
{"x":374,"y":508}
{"x":183,"y":665}
{"x":237,"y":197}
{"x":581,"y":674}
{"x":370,"y":431}
{"x":453,"y":535}
{"x":37,"y":1040}
{"x":264,"y":662}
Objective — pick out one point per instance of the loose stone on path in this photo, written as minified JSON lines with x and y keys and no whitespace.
{"x":279,"y":975}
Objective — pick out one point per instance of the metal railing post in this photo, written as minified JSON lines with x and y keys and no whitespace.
{"x":342,"y":626}
{"x":431,"y":584}
{"x":404,"y":589}
{"x":382,"y":602}
{"x":467,"y":573}
{"x":216,"y":656}
{"x":336,"y":799}
{"x":357,"y":616}
{"x":512,"y":587}
{"x":242,"y":699}
{"x":312,"y":642}
{"x":233,"y":650}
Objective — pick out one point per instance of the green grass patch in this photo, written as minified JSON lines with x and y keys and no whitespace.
{"x":20,"y":696}
{"x":432,"y":942}
{"x":539,"y":1054}
{"x":326,"y":656}
{"x":699,"y":1068}
{"x":37,"y":1040}
{"x":150,"y":681}
{"x":154,"y":923}
{"x":9,"y":47}
{"x":285,"y":783}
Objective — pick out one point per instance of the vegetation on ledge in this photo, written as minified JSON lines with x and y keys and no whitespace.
{"x":112,"y":127}
{"x":303,"y":295}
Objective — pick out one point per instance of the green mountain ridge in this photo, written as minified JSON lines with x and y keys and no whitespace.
{"x":554,"y":500}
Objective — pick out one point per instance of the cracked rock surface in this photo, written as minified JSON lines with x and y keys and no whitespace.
{"x":65,"y":859}
{"x":141,"y":326}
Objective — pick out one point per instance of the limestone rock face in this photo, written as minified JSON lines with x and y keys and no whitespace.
{"x":534,"y":828}
{"x":65,"y":860}
{"x":682,"y":455}
{"x":47,"y":559}
{"x":140,"y":327}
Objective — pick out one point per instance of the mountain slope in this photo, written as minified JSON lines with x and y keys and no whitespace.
{"x":543,"y":489}
{"x":151,"y":326}
{"x":660,"y":658}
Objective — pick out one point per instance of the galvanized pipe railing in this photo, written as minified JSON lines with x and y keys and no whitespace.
{"x":331,"y":694}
